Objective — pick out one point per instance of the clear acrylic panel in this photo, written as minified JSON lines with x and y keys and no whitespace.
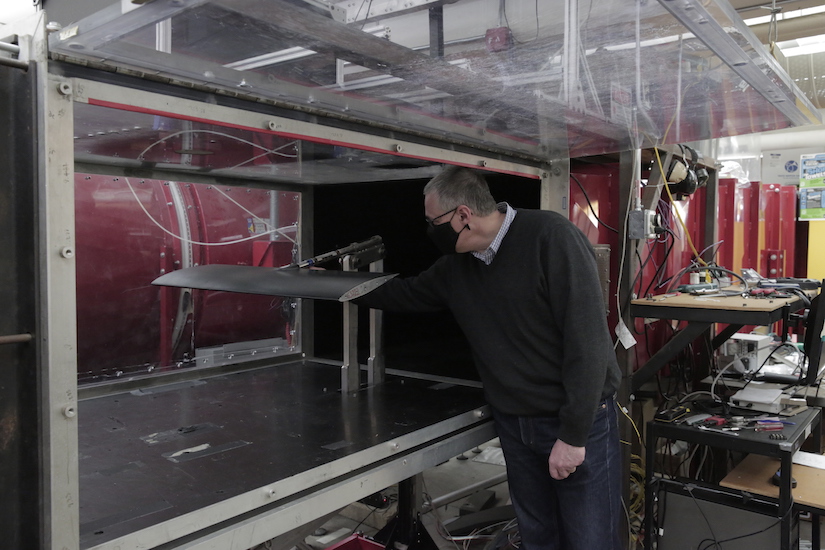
{"x":527,"y":77}
{"x":131,"y":230}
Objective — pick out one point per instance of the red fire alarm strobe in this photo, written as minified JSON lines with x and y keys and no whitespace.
{"x":498,"y":39}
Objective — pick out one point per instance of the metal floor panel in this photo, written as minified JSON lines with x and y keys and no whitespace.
{"x":152,"y":455}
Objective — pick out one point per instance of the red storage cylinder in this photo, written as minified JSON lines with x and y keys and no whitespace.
{"x":777,"y":229}
{"x":728,"y":223}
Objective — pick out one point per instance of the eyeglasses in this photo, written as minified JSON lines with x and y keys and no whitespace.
{"x":432,"y":223}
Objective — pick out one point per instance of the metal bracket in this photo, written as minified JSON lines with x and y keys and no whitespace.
{"x":370,"y":253}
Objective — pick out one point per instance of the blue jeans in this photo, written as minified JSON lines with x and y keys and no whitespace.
{"x":582,"y":512}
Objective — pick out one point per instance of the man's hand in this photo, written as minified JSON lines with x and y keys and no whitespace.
{"x":564,"y":459}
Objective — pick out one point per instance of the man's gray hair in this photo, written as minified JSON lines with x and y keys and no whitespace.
{"x":457,"y":185}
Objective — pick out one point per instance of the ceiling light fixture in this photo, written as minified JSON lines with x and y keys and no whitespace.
{"x":803,"y":46}
{"x":291,"y":54}
{"x":785,"y":15}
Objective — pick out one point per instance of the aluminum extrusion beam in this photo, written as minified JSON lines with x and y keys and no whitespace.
{"x":706,"y":27}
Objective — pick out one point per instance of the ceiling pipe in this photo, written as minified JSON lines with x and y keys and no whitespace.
{"x":791,"y":29}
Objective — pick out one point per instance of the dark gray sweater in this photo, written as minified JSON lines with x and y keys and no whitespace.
{"x":534,"y":317}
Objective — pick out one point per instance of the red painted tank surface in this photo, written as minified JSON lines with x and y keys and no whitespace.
{"x":594,"y":191}
{"x":129,"y":231}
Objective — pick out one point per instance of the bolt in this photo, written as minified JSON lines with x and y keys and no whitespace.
{"x":67,"y":252}
{"x":69,"y":411}
{"x":64,"y":88}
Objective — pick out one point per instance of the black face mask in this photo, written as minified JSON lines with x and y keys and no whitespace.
{"x":444,"y":236}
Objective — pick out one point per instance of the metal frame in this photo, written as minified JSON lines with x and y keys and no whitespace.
{"x":261,"y":514}
{"x":746,"y":443}
{"x":280,"y":520}
{"x":58,"y":336}
{"x":700,"y":320}
{"x":375,"y":361}
{"x":765,"y":74}
{"x":267,"y":511}
{"x":555,"y":187}
{"x":350,"y":370}
{"x":95,"y":41}
{"x":82,"y":40}
{"x":109,"y":95}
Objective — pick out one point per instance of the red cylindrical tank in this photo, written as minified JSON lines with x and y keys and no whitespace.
{"x":130,"y":230}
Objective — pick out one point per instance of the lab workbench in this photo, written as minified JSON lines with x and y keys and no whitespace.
{"x":701,"y":312}
{"x":754,"y":475}
{"x":243,"y":457}
{"x":796,"y":431}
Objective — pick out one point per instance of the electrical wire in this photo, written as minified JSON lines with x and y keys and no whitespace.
{"x":439,"y":523}
{"x":624,"y":240}
{"x":590,"y":204}
{"x":717,"y":244}
{"x":623,"y":410}
{"x":710,"y":269}
{"x":189,"y":241}
{"x":635,"y":508}
{"x":256,"y":217}
{"x":718,"y":543}
{"x":801,"y":366}
{"x":222,"y":134}
{"x":507,"y":537}
{"x":716,"y":380}
{"x":660,"y":268}
{"x":366,"y":16}
{"x":678,"y":215}
{"x":504,"y":3}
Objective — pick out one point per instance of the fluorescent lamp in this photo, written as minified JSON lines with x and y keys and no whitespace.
{"x":803,"y":46}
{"x":782,"y":16}
{"x":290,"y":54}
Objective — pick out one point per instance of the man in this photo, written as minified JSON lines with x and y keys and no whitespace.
{"x":524,"y":288}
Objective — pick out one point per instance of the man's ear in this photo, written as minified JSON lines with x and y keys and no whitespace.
{"x":464,"y":213}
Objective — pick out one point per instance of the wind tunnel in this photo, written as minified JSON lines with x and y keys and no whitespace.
{"x":225,"y":399}
{"x":178,"y":134}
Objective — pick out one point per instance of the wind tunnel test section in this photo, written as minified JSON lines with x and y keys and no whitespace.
{"x":250,"y":427}
{"x":130,"y":230}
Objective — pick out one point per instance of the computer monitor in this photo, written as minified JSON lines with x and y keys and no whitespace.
{"x":813,"y":340}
